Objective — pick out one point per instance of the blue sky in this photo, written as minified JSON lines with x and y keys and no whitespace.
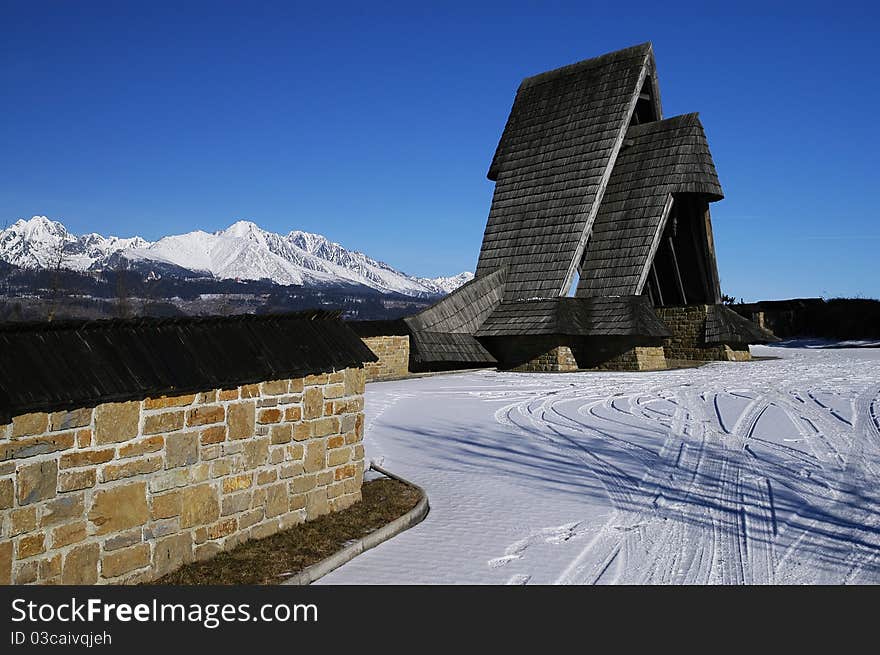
{"x":374,"y":123}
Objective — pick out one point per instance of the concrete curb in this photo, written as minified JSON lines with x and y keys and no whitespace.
{"x":413,"y":517}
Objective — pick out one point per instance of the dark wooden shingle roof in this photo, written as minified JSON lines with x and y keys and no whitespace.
{"x":723,"y":325}
{"x":66,"y":364}
{"x":447,"y":348}
{"x":463,"y":310}
{"x":584,"y":317}
{"x":657,"y":159}
{"x":551,"y":165}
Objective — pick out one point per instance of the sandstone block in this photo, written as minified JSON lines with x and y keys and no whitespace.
{"x":200,"y":506}
{"x":169,"y":401}
{"x":276,"y":500}
{"x":116,"y":563}
{"x":275,"y":387}
{"x":241,"y":418}
{"x":76,"y":480}
{"x":71,"y":533}
{"x":119,"y":508}
{"x":6,"y":562}
{"x":86,"y":458}
{"x":81,"y":565}
{"x":37,"y":481}
{"x":30,"y":545}
{"x":7,"y":493}
{"x":166,"y":505}
{"x":165,"y":422}
{"x":28,"y":424}
{"x":116,"y":422}
{"x":129,"y":469}
{"x":171,"y":553}
{"x":75,"y":418}
{"x":313,"y":402}
{"x":64,"y":509}
{"x":33,"y":446}
{"x":237,"y":483}
{"x":181,"y":449}
{"x":314,"y":460}
{"x":22,"y":520}
{"x":205,"y":414}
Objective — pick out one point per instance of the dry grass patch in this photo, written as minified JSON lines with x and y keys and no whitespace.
{"x":271,"y":560}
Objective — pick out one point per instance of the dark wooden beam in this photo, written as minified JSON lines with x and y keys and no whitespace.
{"x":656,"y":281}
{"x":677,"y":271}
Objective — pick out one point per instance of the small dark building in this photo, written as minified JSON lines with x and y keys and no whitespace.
{"x":598,"y":250}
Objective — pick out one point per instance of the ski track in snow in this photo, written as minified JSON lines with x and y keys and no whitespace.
{"x":756,"y":473}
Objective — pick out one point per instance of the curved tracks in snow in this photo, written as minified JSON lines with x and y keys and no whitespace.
{"x":771,"y":483}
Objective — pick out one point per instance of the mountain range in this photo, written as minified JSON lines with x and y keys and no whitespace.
{"x":243,"y":251}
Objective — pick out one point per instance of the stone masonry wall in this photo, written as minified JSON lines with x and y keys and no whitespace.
{"x":559,"y":358}
{"x":686,"y":343}
{"x":393,"y":354}
{"x":126,"y":492}
{"x":637,"y":358}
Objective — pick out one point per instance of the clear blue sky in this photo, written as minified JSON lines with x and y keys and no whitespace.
{"x":374,"y":123}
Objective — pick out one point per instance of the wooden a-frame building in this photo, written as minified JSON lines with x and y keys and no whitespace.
{"x":598,"y":250}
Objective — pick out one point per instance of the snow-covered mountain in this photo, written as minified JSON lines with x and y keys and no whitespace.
{"x":241,"y":251}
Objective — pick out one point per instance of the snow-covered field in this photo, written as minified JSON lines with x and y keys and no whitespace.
{"x":760,"y":472}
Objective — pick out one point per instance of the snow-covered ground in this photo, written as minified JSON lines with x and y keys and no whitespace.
{"x":760,"y":472}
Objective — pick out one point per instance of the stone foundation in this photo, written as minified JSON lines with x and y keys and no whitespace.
{"x":393,"y":354}
{"x":559,"y":358}
{"x":127,"y":492}
{"x":638,"y":358}
{"x":688,"y":325}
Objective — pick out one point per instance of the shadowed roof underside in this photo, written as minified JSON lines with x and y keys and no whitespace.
{"x":581,"y":317}
{"x":551,"y":165}
{"x":62,"y":365}
{"x":657,"y":159}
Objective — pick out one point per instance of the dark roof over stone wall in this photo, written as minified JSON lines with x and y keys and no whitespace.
{"x":657,"y":159}
{"x":549,"y":167}
{"x":66,"y":364}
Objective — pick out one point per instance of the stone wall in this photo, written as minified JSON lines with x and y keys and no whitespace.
{"x":637,"y":358}
{"x":126,"y":492}
{"x":687,"y":324}
{"x":559,"y":358}
{"x":393,"y":354}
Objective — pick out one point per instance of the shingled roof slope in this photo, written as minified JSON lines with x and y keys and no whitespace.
{"x":723,"y":325}
{"x":550,"y":167}
{"x":463,"y":310}
{"x":624,"y":316}
{"x":657,"y":159}
{"x":447,"y":348}
{"x":67,"y":364}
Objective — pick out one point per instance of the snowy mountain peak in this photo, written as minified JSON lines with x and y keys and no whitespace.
{"x":244,"y":229}
{"x":241,"y":251}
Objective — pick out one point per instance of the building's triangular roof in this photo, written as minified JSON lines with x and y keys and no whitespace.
{"x":551,"y":167}
{"x":657,"y":159}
